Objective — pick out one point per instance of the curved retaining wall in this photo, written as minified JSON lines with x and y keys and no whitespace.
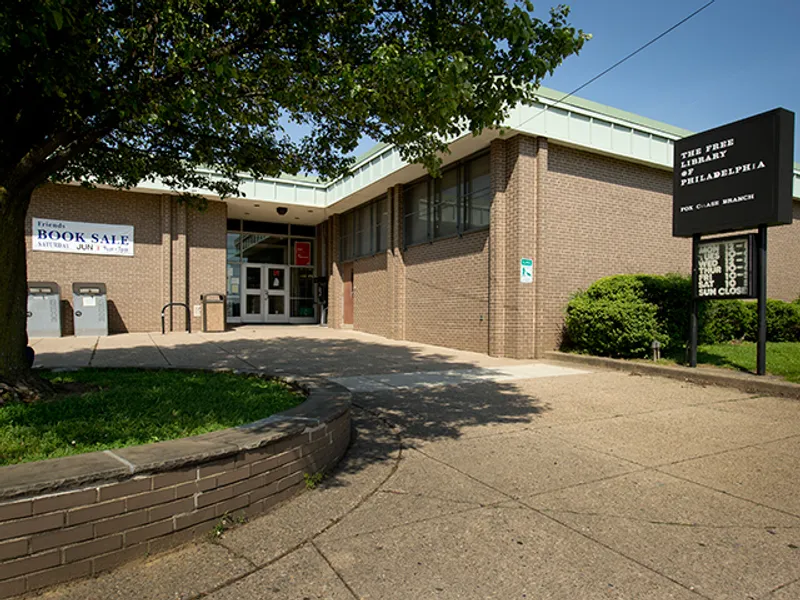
{"x":71,"y":517}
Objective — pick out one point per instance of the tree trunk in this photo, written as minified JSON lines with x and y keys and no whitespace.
{"x":19,"y":381}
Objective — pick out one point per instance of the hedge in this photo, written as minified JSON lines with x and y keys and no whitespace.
{"x":621,"y":315}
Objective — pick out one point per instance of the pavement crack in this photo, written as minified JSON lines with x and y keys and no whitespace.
{"x":335,"y":570}
{"x":236,"y":554}
{"x":160,"y":351}
{"x":579,"y":513}
{"x":570,"y":527}
{"x":94,"y":351}
{"x":309,"y":539}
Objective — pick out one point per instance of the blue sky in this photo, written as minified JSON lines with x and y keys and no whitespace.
{"x":735,"y":59}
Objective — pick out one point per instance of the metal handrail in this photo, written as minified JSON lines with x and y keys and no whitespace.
{"x":188,"y":316}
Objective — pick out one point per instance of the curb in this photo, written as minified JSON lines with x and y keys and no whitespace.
{"x":767,"y":385}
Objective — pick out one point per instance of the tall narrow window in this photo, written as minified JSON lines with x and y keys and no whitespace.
{"x":417,"y":209}
{"x":445,"y":213}
{"x":477,"y":193}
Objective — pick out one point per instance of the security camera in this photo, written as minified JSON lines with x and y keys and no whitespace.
{"x":282,"y":210}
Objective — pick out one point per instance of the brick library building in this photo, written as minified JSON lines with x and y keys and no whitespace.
{"x":483,"y":258}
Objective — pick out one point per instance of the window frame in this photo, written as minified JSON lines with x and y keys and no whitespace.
{"x":366,"y":237}
{"x":463,"y":182}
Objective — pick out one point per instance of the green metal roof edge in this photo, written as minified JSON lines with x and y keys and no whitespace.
{"x":549,"y":94}
{"x":610,"y":111}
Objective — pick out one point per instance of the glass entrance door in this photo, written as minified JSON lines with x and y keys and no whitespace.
{"x":265,"y":296}
{"x":253,"y":305}
{"x":276,"y":277}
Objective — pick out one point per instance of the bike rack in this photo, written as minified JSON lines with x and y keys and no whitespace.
{"x":188,"y":316}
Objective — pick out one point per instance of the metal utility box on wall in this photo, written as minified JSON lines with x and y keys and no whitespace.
{"x":213,"y":312}
{"x":44,"y":309}
{"x":90,"y":308}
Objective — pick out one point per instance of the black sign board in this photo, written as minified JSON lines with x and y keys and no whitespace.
{"x":724,"y":268}
{"x":734,"y":177}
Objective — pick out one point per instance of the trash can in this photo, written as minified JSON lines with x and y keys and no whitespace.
{"x":90,"y":307}
{"x":213,"y":312}
{"x":44,"y":309}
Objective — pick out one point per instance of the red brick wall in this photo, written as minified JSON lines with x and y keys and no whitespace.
{"x":207,"y":230}
{"x":447,"y":292}
{"x":600,"y":216}
{"x":371,"y":297}
{"x":783,"y":252}
{"x":179,"y":253}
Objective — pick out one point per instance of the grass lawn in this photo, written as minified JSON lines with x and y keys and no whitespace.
{"x":783,"y":358}
{"x":126,"y":407}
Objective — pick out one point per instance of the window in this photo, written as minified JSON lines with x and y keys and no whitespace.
{"x":477,"y":193}
{"x":364,"y":230}
{"x":458,"y":201}
{"x":417,"y":214}
{"x":445,"y":208}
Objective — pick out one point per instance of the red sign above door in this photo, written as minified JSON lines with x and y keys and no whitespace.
{"x":302,"y":253}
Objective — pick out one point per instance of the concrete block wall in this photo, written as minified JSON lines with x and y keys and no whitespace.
{"x":179,"y":254}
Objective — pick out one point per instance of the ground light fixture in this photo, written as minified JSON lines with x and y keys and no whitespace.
{"x":656,"y":347}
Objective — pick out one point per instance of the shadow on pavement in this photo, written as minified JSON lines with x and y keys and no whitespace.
{"x":418,"y":415}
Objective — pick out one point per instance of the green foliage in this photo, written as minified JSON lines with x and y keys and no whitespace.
{"x":118,"y":91}
{"x":313,"y":479}
{"x":612,"y":327}
{"x":727,"y":320}
{"x":128,"y":407}
{"x":621,"y":315}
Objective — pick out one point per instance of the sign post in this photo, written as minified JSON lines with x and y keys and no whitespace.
{"x":733,"y":178}
{"x":761,"y":252}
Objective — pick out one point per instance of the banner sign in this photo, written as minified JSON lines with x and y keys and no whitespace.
{"x":49,"y":235}
{"x":725,"y":268}
{"x":734,"y":177}
{"x":302,"y":253}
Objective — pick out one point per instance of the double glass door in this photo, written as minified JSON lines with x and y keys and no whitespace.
{"x":265,"y":297}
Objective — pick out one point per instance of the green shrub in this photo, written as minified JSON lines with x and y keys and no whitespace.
{"x":621,"y":315}
{"x":672,"y":294}
{"x":783,"y":321}
{"x":726,"y":320}
{"x":612,"y":327}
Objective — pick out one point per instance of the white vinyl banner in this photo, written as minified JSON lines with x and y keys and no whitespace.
{"x":50,"y":235}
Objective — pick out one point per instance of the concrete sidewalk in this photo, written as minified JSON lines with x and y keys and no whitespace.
{"x":580,"y":485}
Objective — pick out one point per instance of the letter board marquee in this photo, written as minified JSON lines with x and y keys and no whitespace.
{"x":734,"y":177}
{"x":725,"y":268}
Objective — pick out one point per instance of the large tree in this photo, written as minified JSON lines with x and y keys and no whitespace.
{"x":116,"y":91}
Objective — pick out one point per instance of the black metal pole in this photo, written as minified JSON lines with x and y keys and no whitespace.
{"x":761,"y":270}
{"x":693,"y":324}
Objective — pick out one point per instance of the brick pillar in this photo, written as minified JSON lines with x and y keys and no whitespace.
{"x":521,"y":202}
{"x":397,"y":271}
{"x":335,"y":285}
{"x":166,"y":254}
{"x":541,"y":175}
{"x":180,"y":266}
{"x":497,"y":248}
